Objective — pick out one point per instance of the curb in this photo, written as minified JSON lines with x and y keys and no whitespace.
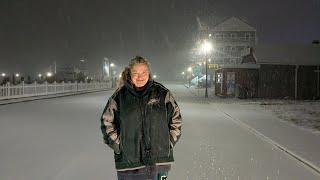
{"x":280,"y":147}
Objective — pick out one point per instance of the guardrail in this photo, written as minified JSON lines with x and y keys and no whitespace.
{"x":26,"y":90}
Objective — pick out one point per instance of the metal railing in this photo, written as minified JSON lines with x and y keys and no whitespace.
{"x":26,"y":90}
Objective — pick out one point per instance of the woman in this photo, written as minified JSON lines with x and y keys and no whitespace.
{"x":141,"y":123}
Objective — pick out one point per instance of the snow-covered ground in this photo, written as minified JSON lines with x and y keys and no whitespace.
{"x":60,"y":139}
{"x":302,"y":113}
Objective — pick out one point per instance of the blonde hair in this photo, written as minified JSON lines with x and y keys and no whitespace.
{"x":126,"y":73}
{"x":125,"y":76}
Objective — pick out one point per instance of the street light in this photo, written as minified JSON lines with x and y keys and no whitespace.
{"x":3,"y":74}
{"x":190,"y":71}
{"x":39,"y":75}
{"x":106,"y":68}
{"x":154,"y":76}
{"x":17,"y":75}
{"x":206,"y":48}
{"x":49,"y":74}
{"x":111,"y":66}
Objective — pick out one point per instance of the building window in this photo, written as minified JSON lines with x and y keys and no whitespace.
{"x":247,"y":36}
{"x":219,"y":77}
{"x":218,"y":36}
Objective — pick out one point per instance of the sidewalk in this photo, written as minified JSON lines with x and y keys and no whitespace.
{"x":299,"y":143}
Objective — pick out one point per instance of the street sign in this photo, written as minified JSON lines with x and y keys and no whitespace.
{"x":213,"y":66}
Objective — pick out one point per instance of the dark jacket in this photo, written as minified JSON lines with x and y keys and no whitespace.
{"x":141,"y":126}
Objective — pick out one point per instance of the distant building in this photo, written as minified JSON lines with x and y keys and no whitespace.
{"x":288,"y":70}
{"x":273,"y":71}
{"x":67,"y":73}
{"x":230,"y":38}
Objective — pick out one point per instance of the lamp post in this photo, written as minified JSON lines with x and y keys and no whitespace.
{"x":182,"y":73}
{"x":111,"y":66}
{"x":190,"y":71}
{"x":206,"y":48}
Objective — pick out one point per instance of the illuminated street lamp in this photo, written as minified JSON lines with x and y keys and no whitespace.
{"x":154,"y":76}
{"x":39,"y":75}
{"x":17,"y":74}
{"x":49,"y":74}
{"x":206,"y":48}
{"x":183,"y":75}
{"x":111,"y":72}
{"x":3,"y":74}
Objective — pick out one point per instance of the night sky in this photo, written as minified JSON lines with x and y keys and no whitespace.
{"x":34,"y":33}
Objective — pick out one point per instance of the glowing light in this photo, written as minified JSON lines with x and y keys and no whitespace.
{"x":206,"y":47}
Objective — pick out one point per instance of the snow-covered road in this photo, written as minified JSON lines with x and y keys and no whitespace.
{"x":60,"y":139}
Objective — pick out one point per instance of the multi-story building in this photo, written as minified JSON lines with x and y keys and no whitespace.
{"x":231,"y":39}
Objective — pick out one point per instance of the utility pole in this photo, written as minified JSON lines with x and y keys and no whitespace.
{"x":318,"y":77}
{"x":296,"y":83}
{"x":206,"y":93}
{"x":55,"y":67}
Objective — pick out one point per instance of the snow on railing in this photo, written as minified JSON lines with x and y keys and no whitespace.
{"x":26,"y":90}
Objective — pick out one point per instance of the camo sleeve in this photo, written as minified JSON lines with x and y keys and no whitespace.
{"x":174,"y":117}
{"x":109,"y":125}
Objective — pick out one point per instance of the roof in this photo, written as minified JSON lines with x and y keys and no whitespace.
{"x":240,"y":66}
{"x":294,"y":54}
{"x":233,"y":24}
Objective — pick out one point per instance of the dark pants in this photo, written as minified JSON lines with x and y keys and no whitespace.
{"x":148,"y":173}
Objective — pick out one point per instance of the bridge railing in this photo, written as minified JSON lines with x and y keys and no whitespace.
{"x":9,"y":91}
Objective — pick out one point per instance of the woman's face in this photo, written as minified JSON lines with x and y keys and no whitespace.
{"x":139,"y":74}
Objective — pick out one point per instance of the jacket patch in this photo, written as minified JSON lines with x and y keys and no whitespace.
{"x":153,"y":101}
